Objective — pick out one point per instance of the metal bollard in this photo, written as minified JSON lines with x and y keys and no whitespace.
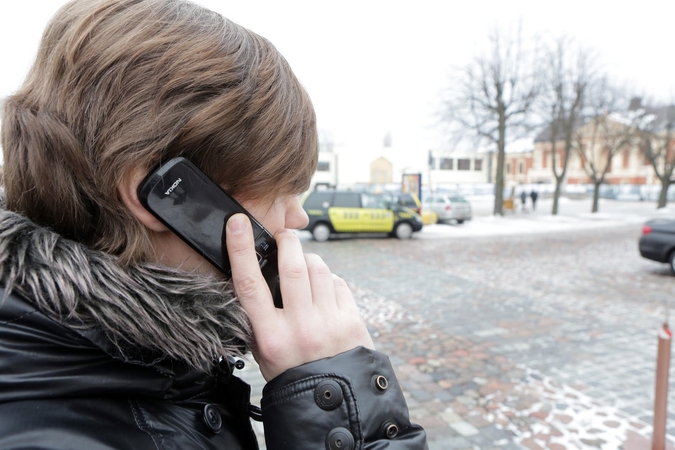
{"x":661,"y":396}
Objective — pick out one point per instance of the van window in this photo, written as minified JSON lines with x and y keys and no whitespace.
{"x":372,"y":201}
{"x":316,"y":200}
{"x":407,"y":200}
{"x":347,"y":200}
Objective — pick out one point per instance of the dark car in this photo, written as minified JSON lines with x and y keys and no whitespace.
{"x":407,"y":200}
{"x":658,"y":241}
{"x":358,"y":212}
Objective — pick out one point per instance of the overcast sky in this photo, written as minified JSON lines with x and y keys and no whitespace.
{"x":373,"y":67}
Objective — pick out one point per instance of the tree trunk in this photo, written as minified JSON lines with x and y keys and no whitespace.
{"x":499,"y":184}
{"x":596,"y":196}
{"x":663,"y":198}
{"x":499,"y":179}
{"x":556,"y":195}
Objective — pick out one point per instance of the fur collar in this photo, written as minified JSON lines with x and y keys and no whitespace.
{"x":140,"y":309}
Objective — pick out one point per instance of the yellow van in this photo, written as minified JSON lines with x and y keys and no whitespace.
{"x":332,"y":212}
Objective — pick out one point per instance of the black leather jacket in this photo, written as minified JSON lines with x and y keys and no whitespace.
{"x":72,"y":377}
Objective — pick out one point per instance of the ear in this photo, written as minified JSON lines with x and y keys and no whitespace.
{"x":128,"y":190}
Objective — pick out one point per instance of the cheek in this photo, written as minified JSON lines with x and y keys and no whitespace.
{"x":270,"y":216}
{"x":273,"y":221}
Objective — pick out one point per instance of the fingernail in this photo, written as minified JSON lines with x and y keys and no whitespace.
{"x":236,"y":224}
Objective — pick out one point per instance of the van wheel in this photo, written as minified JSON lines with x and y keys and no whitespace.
{"x":460,"y":221}
{"x":321,"y":232}
{"x":403,"y":230}
{"x":672,"y":262}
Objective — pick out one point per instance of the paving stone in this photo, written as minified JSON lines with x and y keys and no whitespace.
{"x":478,"y":422}
{"x":421,"y":395}
{"x":449,"y":416}
{"x":430,"y":422}
{"x":451,"y":443}
{"x":481,"y":441}
{"x":464,"y":428}
{"x":497,"y":434}
{"x":530,"y":444}
{"x":554,"y":446}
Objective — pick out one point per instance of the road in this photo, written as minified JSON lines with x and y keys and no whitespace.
{"x":545,"y":340}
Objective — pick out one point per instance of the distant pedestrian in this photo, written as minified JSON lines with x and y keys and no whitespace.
{"x":534,"y":196}
{"x":523,"y":199}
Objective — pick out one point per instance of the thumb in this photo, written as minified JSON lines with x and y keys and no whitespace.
{"x":249,"y":283}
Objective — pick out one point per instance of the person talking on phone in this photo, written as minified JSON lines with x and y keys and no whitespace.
{"x":115,"y":333}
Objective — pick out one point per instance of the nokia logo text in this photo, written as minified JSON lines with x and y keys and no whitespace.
{"x":173,"y":186}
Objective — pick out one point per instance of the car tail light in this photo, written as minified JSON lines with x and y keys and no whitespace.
{"x":419,"y":210}
{"x":448,"y":208}
{"x":646,"y":229}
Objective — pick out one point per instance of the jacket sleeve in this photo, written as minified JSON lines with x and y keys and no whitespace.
{"x":351,"y":401}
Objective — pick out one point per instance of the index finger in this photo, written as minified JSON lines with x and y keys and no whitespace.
{"x":249,"y":283}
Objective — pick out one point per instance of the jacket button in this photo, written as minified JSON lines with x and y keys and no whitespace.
{"x":390,"y":429}
{"x":380,"y":383}
{"x":328,"y":395}
{"x":340,"y":439}
{"x":212,"y":419}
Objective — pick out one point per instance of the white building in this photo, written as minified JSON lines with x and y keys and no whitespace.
{"x":354,"y":163}
{"x":454,"y":167}
{"x":326,"y":175}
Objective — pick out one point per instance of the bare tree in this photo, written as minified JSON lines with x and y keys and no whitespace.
{"x":566,"y":75}
{"x":492,"y":97}
{"x":604,"y":135}
{"x":654,"y":128}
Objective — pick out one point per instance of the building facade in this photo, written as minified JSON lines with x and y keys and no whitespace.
{"x":453,"y":167}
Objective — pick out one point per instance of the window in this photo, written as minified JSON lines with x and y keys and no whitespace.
{"x":626,"y":159}
{"x":463,"y":164}
{"x":477,"y":164}
{"x":446,"y":163}
{"x":317,"y":200}
{"x":347,"y":200}
{"x":521,"y":167}
{"x":372,"y":201}
{"x":323,"y":166}
{"x":508,"y":167}
{"x":407,"y":200}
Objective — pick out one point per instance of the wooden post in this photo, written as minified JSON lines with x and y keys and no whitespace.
{"x":661,"y":395}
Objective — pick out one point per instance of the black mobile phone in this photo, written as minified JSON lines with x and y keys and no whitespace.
{"x":196,"y":209}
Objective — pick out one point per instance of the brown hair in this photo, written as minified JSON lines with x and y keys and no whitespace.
{"x":122,"y":84}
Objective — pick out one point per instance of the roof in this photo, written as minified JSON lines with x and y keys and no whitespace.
{"x":545,"y":134}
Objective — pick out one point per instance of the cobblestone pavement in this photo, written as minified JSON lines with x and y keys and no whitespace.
{"x":515,"y":342}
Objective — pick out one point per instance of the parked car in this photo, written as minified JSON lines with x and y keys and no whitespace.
{"x":658,"y":241}
{"x":448,"y":207}
{"x":406,"y":199}
{"x":358,"y":212}
{"x":429,"y":216}
{"x":411,"y":201}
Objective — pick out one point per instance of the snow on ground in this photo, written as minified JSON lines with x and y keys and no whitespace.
{"x":573,"y":215}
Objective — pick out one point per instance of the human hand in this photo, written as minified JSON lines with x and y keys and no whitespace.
{"x":319,"y":318}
